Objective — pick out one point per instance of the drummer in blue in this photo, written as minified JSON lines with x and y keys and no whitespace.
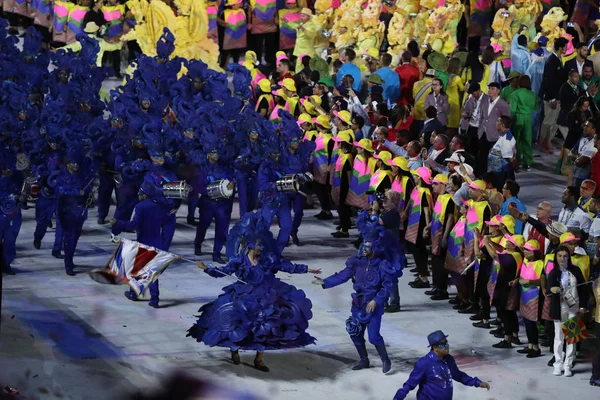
{"x":435,"y":372}
{"x":214,"y":170}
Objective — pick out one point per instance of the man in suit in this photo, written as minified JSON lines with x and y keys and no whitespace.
{"x":469,"y":122}
{"x":567,"y":97}
{"x":492,"y":107}
{"x":578,"y":62}
{"x":430,"y":125}
{"x":554,"y":77}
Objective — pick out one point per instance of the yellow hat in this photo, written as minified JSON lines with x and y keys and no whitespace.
{"x":344,"y":136}
{"x":289,"y":84}
{"x":304,"y":117}
{"x":91,"y":27}
{"x":322,"y":120}
{"x":265,"y":85}
{"x":385,"y":157}
{"x":373,"y":52}
{"x":424,"y":173}
{"x":495,"y":221}
{"x":440,"y":178}
{"x":509,"y":222}
{"x":567,"y":237}
{"x":532,"y":245}
{"x":478,"y":185}
{"x":278,"y":92}
{"x":401,"y":163}
{"x":232,"y":2}
{"x":344,"y":116}
{"x":517,"y":240}
{"x":310,"y":108}
{"x":365,"y":144}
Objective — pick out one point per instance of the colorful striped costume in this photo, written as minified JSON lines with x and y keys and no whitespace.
{"x":321,"y":158}
{"x":530,"y":294}
{"x":263,"y":16}
{"x":505,"y":260}
{"x":362,"y":170}
{"x":212,"y":9}
{"x":112,"y":15}
{"x":415,"y":206}
{"x":75,"y":22}
{"x":439,"y":218}
{"x":59,"y":23}
{"x":235,"y":29}
{"x":289,"y":19}
{"x":42,"y":12}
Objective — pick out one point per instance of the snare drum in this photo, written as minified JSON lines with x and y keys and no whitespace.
{"x":34,"y":191}
{"x":176,"y":190}
{"x":288,"y":183}
{"x":218,"y":190}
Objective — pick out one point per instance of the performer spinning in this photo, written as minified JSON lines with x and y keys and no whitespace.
{"x":374,"y":271}
{"x":258,"y":312}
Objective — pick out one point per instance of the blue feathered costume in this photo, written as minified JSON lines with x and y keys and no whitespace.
{"x":261,"y":313}
{"x":374,"y":272}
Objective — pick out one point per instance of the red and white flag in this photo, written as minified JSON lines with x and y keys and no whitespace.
{"x":136,"y":264}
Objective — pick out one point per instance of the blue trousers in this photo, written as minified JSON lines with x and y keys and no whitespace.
{"x":284,"y":215}
{"x":297,"y":204}
{"x":220,"y":211}
{"x":248,"y":194}
{"x":168,"y":230}
{"x":107,"y":185}
{"x":127,"y":198}
{"x":72,"y":223}
{"x":192,"y":176}
{"x":45,"y":208}
{"x":154,"y":292}
{"x":9,"y":230}
{"x":372,"y":327}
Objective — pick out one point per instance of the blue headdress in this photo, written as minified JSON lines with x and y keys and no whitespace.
{"x":241,"y":81}
{"x":15,"y":97}
{"x":32,"y":43}
{"x":165,"y":45}
{"x":385,"y":244}
{"x":197,"y":70}
{"x":251,"y":230}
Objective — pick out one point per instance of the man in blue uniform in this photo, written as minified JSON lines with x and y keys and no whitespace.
{"x":10,"y":210}
{"x":434,"y":373}
{"x":246,"y":168}
{"x":147,"y":224}
{"x":219,"y":209}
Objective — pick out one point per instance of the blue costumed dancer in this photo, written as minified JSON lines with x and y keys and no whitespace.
{"x":258,"y":312}
{"x":10,"y":210}
{"x":374,"y":272}
{"x":147,"y":224}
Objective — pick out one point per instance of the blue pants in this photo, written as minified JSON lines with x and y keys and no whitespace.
{"x":45,"y":208}
{"x":107,"y":185}
{"x":154,"y":292}
{"x":284,"y":215}
{"x":72,"y":223}
{"x":297,"y":204}
{"x":220,"y":210}
{"x":372,"y":327}
{"x":9,"y":230}
{"x":192,"y":178}
{"x":127,"y":198}
{"x":248,"y":194}
{"x":168,"y":230}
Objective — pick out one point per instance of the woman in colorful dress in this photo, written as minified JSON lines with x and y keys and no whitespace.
{"x":262,"y":23}
{"x":340,"y":180}
{"x":289,"y":19}
{"x":233,"y":20}
{"x":455,"y":92}
{"x":75,"y":20}
{"x":259,"y":312}
{"x":530,"y":309}
{"x":363,"y":168}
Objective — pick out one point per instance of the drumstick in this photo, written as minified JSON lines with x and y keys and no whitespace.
{"x":216,"y":269}
{"x":302,"y":193}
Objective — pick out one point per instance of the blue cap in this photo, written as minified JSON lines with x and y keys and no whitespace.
{"x":542,"y":41}
{"x":436,"y":337}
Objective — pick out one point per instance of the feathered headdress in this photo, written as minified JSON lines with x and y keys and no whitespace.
{"x":385,"y":244}
{"x":165,"y":45}
{"x":251,"y":230}
{"x":241,"y":81}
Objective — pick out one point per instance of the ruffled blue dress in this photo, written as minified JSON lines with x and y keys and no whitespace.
{"x":262,"y":314}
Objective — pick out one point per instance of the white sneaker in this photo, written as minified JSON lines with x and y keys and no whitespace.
{"x":568,"y":372}
{"x":557,"y":369}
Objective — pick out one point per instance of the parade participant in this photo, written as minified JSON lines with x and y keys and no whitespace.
{"x":492,"y":107}
{"x":272,"y":201}
{"x":409,"y":75}
{"x":363,"y":167}
{"x":42,"y":18}
{"x":306,"y":33}
{"x":114,"y":15}
{"x":341,"y":176}
{"x":214,"y":169}
{"x":440,"y":227}
{"x":146,"y":223}
{"x":305,"y":122}
{"x":373,"y":271}
{"x":418,"y":214}
{"x":439,"y":100}
{"x":530,"y":308}
{"x":60,"y":14}
{"x":320,"y":165}
{"x":75,"y":21}
{"x":349,"y":68}
{"x":507,"y":262}
{"x":250,"y":155}
{"x":381,"y":180}
{"x":233,"y":20}
{"x":523,"y":103}
{"x":510,"y":192}
{"x":92,"y":29}
{"x":586,"y":192}
{"x":289,"y":18}
{"x":568,"y":298}
{"x":11,"y":182}
{"x":73,"y":188}
{"x":501,"y":159}
{"x":435,"y":372}
{"x":270,"y":314}
{"x":264,"y":99}
{"x":262,"y":25}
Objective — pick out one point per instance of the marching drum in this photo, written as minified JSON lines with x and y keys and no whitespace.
{"x":176,"y":190}
{"x":291,"y":183}
{"x":34,"y":191}
{"x":218,"y":190}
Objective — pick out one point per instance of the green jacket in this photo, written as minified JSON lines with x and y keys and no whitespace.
{"x":522,"y":101}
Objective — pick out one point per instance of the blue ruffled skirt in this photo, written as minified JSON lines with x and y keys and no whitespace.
{"x":271,"y":315}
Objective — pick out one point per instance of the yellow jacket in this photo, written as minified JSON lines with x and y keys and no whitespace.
{"x":104,"y":46}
